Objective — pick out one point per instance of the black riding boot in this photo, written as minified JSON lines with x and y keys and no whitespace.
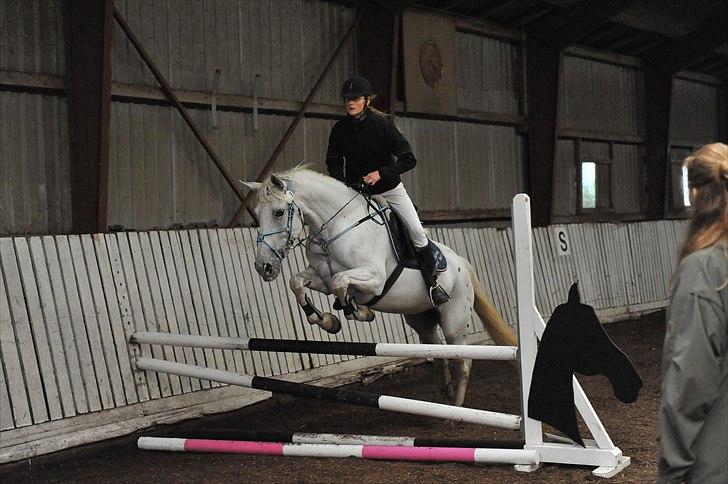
{"x":426,"y":259}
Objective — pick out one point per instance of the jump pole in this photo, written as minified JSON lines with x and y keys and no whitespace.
{"x":599,"y":452}
{"x":356,"y":439}
{"x":376,"y":452}
{"x":384,"y":402}
{"x":473,"y":352}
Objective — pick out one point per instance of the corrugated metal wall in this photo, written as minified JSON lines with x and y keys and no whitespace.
{"x":694,"y":112}
{"x":599,"y":100}
{"x":463,"y":166}
{"x":69,"y":303}
{"x":287,"y":42}
{"x":159,"y":175}
{"x":35,"y":194}
{"x":625,"y":175}
{"x":694,"y":121}
{"x":488,"y":74}
{"x":601,"y":97}
{"x":34,"y":171}
{"x":31,"y":36}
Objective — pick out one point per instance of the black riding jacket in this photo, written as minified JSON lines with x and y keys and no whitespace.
{"x":360,"y":146}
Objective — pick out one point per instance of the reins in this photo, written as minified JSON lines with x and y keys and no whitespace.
{"x":311,"y":239}
{"x":370,"y":216}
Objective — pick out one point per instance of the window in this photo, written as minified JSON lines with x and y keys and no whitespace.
{"x":595,"y":185}
{"x":588,"y":184}
{"x":685,"y":189}
{"x":680,"y":195}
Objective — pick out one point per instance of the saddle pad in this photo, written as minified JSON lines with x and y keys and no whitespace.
{"x":440,"y":260}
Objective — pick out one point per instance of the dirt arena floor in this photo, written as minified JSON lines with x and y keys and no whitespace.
{"x":493,"y":386}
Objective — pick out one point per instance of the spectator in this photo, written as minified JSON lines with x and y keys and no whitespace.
{"x":694,"y":409}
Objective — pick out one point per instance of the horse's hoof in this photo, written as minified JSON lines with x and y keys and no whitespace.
{"x":330,"y":323}
{"x":366,"y":315}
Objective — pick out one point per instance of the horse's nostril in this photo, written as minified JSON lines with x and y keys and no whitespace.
{"x":267,"y":268}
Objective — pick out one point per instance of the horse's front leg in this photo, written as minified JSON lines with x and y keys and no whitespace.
{"x":362,"y":280}
{"x":310,"y":279}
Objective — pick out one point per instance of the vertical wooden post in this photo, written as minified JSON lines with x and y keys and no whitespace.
{"x":542,"y":89}
{"x":374,"y":53}
{"x":658,"y":96}
{"x":88,"y":26}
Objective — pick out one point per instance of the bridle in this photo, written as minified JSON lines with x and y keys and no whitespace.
{"x":288,"y":229}
{"x":323,"y":243}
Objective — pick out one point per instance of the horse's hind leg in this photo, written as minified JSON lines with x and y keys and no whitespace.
{"x":455,"y":322}
{"x":425,"y":325}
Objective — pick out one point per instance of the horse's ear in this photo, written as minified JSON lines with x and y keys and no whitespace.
{"x":277,"y":183}
{"x":574,"y":297}
{"x":252,"y":186}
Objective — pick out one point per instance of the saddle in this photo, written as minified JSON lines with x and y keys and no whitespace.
{"x":403,"y":248}
{"x":400,"y":240}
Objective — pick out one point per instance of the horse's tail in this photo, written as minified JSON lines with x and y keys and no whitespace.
{"x":497,"y":328}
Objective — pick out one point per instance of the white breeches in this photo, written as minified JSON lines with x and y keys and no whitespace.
{"x":400,"y":202}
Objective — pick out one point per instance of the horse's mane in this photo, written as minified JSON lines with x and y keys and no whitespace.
{"x":301,"y":171}
{"x":304,"y":169}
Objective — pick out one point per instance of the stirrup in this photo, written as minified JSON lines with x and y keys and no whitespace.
{"x":438,"y":295}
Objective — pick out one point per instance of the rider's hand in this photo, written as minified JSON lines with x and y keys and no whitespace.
{"x":372,"y":178}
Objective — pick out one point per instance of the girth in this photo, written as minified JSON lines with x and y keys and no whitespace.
{"x":387,"y":285}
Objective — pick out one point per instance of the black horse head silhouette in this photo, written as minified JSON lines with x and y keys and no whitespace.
{"x":574,"y":341}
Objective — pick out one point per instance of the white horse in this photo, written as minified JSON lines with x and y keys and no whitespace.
{"x":352,"y":260}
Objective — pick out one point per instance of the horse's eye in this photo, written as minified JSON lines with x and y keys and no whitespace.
{"x":278,"y":213}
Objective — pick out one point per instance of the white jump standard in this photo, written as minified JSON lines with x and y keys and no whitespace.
{"x":599,"y":452}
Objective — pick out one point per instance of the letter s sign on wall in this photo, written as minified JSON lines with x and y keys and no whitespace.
{"x":563,"y":246}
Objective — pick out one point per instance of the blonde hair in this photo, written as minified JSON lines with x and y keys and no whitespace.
{"x":371,"y":107}
{"x":708,"y":175}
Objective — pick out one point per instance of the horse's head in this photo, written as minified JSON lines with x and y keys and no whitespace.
{"x":281,"y":224}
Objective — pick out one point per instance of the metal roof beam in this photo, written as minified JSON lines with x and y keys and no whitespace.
{"x":576,"y":21}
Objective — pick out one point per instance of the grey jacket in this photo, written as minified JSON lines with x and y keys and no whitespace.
{"x":694,"y":409}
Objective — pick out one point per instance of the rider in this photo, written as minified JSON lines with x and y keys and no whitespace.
{"x":366,"y":147}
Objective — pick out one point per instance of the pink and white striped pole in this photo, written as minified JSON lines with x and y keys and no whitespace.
{"x":376,"y":452}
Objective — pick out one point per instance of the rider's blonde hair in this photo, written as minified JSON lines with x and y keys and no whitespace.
{"x":708,"y":183}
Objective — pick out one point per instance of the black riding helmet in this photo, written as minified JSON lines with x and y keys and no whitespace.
{"x":355,"y":87}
